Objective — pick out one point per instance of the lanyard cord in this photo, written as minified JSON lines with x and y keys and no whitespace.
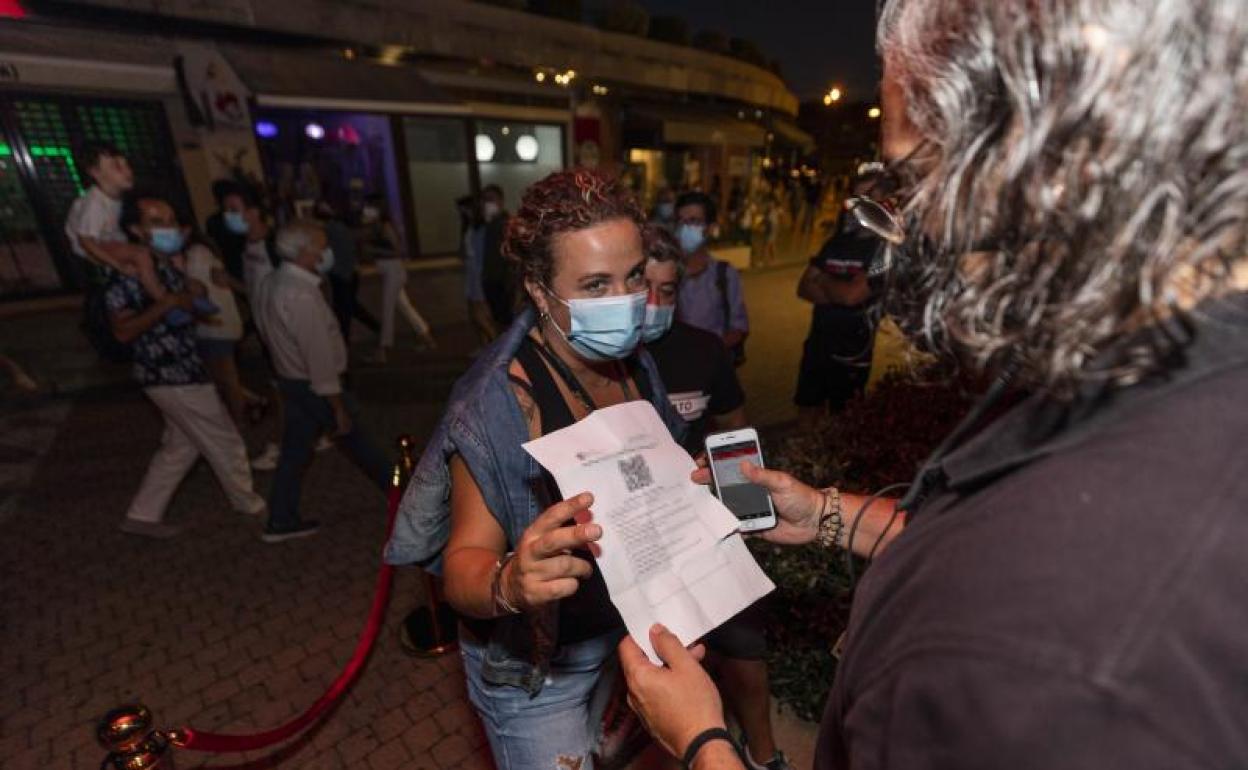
{"x":571,"y":380}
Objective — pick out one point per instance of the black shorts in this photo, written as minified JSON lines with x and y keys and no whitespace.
{"x":836,"y":361}
{"x":743,"y":637}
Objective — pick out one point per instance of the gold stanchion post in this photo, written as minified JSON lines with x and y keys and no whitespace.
{"x":126,"y":733}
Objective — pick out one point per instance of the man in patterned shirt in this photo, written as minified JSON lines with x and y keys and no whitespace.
{"x":168,"y":367}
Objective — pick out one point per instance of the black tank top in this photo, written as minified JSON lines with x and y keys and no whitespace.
{"x":588,"y":612}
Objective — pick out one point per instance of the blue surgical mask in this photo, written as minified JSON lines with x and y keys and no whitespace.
{"x":658,"y":321}
{"x":604,"y":328}
{"x":327,"y":261}
{"x":235,"y":222}
{"x":665,"y":210}
{"x":166,"y":240}
{"x":691,"y":237}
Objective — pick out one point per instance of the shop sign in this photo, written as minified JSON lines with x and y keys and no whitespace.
{"x":212,"y":88}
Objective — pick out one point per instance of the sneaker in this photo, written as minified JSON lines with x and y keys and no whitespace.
{"x":267,"y":459}
{"x":778,"y":761}
{"x":324,"y":443}
{"x":154,"y":529}
{"x":302,"y":529}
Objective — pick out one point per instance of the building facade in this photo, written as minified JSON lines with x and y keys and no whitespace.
{"x":415,"y":103}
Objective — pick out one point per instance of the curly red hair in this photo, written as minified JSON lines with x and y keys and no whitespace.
{"x":563,"y":202}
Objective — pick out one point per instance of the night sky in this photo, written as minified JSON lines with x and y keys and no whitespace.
{"x":818,"y":42}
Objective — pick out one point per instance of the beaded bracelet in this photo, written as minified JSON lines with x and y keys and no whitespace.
{"x":830,"y":522}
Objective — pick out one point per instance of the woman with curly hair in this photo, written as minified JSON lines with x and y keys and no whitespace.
{"x":539,"y":631}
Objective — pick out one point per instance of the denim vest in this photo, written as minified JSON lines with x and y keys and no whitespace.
{"x":484,"y":426}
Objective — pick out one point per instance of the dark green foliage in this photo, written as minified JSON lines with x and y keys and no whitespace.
{"x":568,"y":10}
{"x":746,"y":50}
{"x":875,"y":441}
{"x":670,"y":29}
{"x":709,"y":40}
{"x":626,"y":16}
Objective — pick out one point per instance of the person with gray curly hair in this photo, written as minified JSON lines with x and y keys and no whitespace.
{"x":1066,"y":586}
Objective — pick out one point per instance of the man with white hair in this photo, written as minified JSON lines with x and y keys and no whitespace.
{"x":309,"y":354}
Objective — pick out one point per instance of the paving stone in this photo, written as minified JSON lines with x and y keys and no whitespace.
{"x":390,"y":756}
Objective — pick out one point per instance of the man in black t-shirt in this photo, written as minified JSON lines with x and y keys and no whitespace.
{"x":836,"y":359}
{"x":701,"y":382}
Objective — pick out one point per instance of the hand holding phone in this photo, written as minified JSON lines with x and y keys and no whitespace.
{"x":749,"y":502}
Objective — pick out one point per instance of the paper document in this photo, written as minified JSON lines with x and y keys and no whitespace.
{"x":669,"y":550}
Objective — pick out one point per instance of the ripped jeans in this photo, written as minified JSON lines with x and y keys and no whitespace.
{"x":560,"y":727}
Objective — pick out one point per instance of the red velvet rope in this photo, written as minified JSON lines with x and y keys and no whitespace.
{"x":190,"y":738}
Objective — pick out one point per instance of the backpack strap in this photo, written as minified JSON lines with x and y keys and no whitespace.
{"x":721,"y":283}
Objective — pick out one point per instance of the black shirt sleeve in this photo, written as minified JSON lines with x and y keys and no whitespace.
{"x":961,"y":711}
{"x":725,"y":389}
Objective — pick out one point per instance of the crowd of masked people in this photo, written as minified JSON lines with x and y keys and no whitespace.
{"x":176,"y":301}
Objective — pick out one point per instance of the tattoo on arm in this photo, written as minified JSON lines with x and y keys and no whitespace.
{"x":528,"y":407}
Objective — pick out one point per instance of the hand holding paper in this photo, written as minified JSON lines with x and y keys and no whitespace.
{"x":669,"y":551}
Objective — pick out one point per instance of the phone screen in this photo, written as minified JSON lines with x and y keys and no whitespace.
{"x":748,"y":501}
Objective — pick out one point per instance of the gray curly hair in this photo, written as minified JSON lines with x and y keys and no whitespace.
{"x":1085,"y":157}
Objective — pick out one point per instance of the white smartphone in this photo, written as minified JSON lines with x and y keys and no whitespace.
{"x":750,"y":502}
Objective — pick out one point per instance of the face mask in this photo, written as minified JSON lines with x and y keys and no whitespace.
{"x":665,"y":210}
{"x":326,"y":262}
{"x":166,"y":240}
{"x":658,"y":321}
{"x":691,"y":237}
{"x":605,"y":328}
{"x":490,"y":209}
{"x":235,"y":222}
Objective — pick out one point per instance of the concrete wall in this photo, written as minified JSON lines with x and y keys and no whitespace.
{"x":475,"y":31}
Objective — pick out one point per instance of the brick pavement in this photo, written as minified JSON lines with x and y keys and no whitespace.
{"x":220,"y":631}
{"x":213,"y":628}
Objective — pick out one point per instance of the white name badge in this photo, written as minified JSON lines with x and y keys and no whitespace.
{"x":690,"y":405}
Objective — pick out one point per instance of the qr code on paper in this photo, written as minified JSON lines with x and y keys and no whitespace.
{"x":636,"y":473}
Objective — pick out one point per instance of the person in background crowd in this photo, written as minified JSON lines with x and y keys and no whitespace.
{"x":664,"y":213}
{"x":219,"y":334}
{"x":381,"y":244}
{"x":526,"y":586}
{"x":93,"y":224}
{"x":168,"y":366}
{"x":700,"y":378}
{"x":836,"y":357}
{"x":344,"y":278}
{"x":472,"y":231}
{"x":310,"y":357}
{"x":710,"y":293}
{"x":259,"y":255}
{"x":702,"y":384}
{"x":227,"y":226}
{"x":259,"y":261}
{"x":1068,"y":588}
{"x":497,"y":281}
